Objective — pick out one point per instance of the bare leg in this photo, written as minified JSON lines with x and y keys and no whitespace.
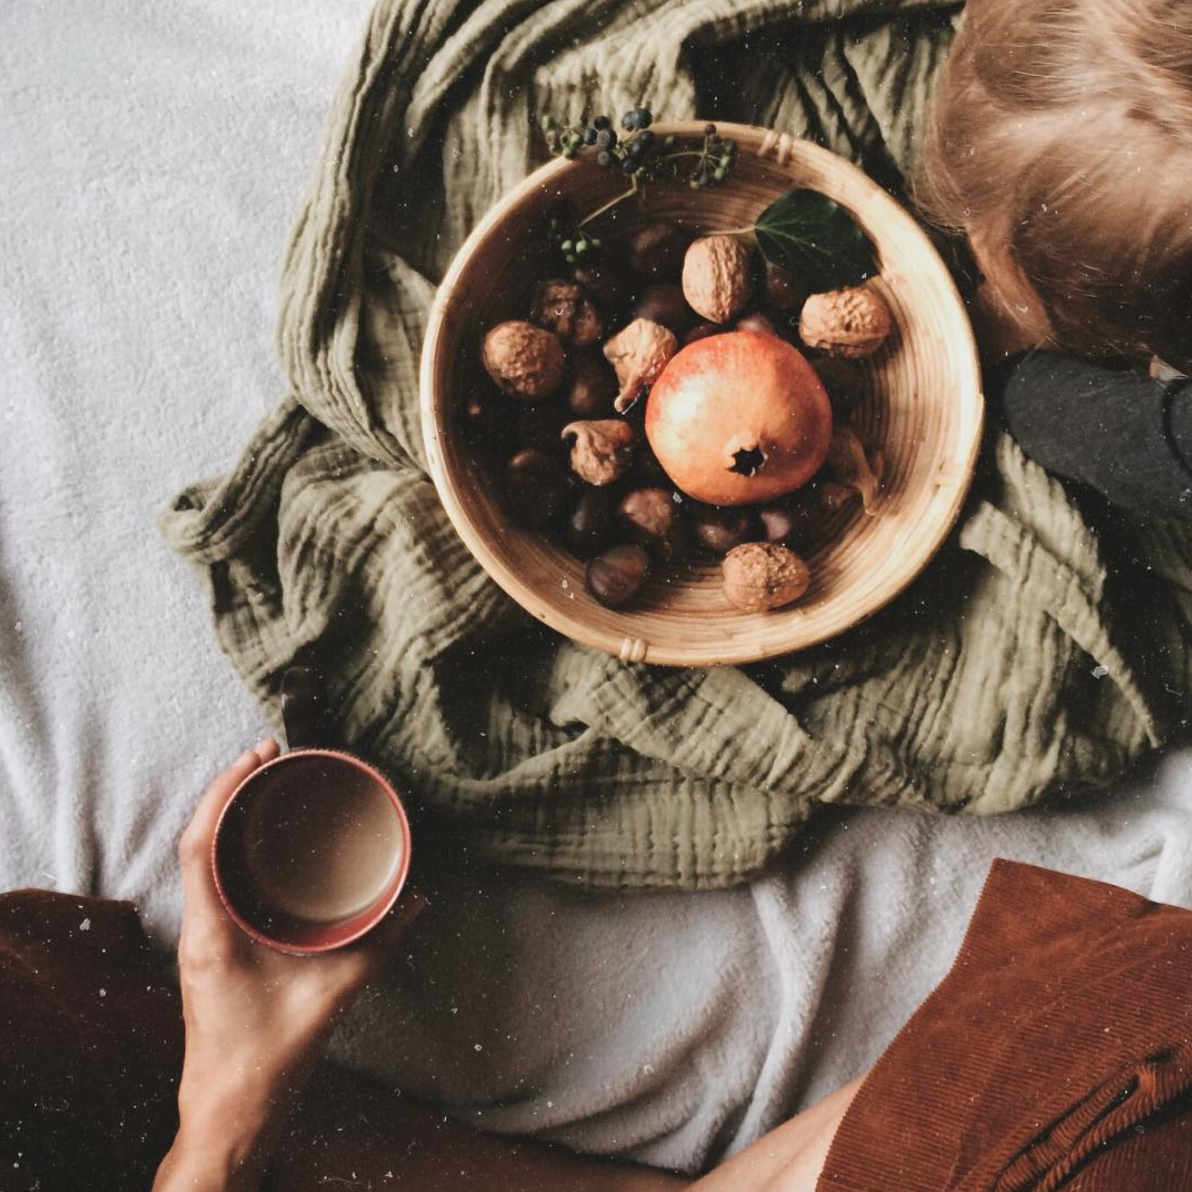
{"x":350,"y":1134}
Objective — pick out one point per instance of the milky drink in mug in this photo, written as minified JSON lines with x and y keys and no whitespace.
{"x":312,"y":850}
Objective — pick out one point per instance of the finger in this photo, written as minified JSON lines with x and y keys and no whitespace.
{"x":217,"y":794}
{"x":194,"y":850}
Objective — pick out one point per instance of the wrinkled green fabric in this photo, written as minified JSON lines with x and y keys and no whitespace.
{"x":1026,"y":658}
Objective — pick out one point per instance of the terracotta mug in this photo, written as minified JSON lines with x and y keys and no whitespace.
{"x":313,"y":848}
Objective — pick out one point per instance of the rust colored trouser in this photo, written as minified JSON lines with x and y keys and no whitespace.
{"x":1057,"y":1053}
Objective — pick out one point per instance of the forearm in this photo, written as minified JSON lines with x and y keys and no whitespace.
{"x":224,"y":1140}
{"x":1119,"y":432}
{"x":201,"y":1162}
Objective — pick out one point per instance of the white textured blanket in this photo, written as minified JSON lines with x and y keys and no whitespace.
{"x":142,"y":218}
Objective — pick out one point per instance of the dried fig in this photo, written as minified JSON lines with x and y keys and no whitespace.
{"x":639,"y":353}
{"x":601,"y":450}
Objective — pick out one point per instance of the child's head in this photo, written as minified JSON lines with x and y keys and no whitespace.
{"x":1062,"y":145}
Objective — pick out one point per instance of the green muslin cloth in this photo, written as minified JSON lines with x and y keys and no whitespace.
{"x":1034,"y":653}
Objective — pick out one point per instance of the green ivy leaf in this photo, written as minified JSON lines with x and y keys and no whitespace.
{"x":814,"y":238}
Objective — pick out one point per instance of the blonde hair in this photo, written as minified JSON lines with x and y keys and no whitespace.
{"x":1061,"y":142}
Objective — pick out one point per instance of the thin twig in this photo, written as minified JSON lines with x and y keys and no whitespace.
{"x":610,"y":204}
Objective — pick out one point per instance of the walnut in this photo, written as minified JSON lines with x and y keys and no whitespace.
{"x":601,"y":451}
{"x":762,"y":575}
{"x":525,"y":361}
{"x":639,"y":353}
{"x":852,"y":323}
{"x":563,"y":307}
{"x":717,"y":277}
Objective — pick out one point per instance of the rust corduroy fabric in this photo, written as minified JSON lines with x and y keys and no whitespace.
{"x":90,"y":1046}
{"x":1057,"y":1053}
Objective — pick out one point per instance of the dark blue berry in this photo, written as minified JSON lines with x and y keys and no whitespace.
{"x":606,"y":138}
{"x":601,"y":123}
{"x":644,"y":139}
{"x":644,"y":117}
{"x":629,"y":120}
{"x":589,"y":136}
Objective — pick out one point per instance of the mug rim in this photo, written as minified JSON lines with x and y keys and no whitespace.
{"x":368,"y":918}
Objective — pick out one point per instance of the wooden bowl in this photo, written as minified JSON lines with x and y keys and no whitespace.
{"x":923,"y":407}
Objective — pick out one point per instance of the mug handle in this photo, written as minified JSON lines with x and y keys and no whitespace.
{"x":303,"y":712}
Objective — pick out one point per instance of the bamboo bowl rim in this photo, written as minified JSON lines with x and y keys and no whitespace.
{"x":942,"y":481}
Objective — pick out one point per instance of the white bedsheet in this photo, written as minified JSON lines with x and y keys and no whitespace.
{"x":152,"y":158}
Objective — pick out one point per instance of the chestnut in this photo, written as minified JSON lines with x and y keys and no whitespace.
{"x":535,"y":487}
{"x":615,"y":577}
{"x":701,"y":331}
{"x":604,"y":281}
{"x":657,"y":250}
{"x":593,"y":387}
{"x":651,"y":516}
{"x":719,"y":530}
{"x":783,"y":291}
{"x":646,"y":469}
{"x":844,"y":382}
{"x":757,"y":322}
{"x":589,"y":522}
{"x":663,"y":303}
{"x":781,"y":525}
{"x":539,"y":426}
{"x":482,"y":422}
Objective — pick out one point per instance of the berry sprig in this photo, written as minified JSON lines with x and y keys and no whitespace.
{"x":715,"y":159}
{"x":640,"y":155}
{"x":563,"y":230}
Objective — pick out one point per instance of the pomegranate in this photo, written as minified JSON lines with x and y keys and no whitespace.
{"x":739,"y":418}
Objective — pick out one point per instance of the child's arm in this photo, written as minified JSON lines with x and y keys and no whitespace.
{"x":1119,"y":432}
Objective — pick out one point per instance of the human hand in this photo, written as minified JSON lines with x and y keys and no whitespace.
{"x":257,"y":1020}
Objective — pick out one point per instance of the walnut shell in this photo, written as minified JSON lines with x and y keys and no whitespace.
{"x":763,"y":575}
{"x":562,"y":307}
{"x":717,"y":279}
{"x":853,"y":323}
{"x":602,"y":450}
{"x":524,"y":361}
{"x":639,"y":353}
